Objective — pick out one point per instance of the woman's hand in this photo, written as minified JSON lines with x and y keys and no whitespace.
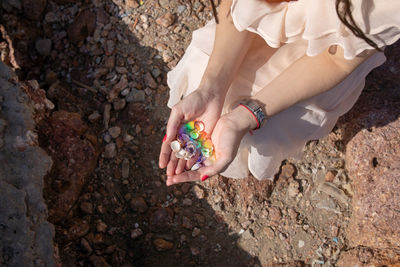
{"x":226,"y":137}
{"x":204,"y":104}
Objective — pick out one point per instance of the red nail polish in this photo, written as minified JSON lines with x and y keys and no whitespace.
{"x":165,"y":138}
{"x":205,"y":177}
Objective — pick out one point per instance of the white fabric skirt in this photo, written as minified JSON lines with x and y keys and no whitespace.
{"x":285,"y":134}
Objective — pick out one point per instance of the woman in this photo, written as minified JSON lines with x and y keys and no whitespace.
{"x":302,"y":64}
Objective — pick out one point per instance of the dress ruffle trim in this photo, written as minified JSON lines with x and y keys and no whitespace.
{"x":317,"y":22}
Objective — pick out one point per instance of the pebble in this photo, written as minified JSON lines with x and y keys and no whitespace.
{"x":138,"y":204}
{"x":162,"y":244}
{"x":86,"y":207}
{"x":274,"y":214}
{"x":330,"y":176}
{"x":282,"y":236}
{"x":195,"y":251}
{"x":121,"y":85}
{"x":106,"y":116}
{"x":293,"y":188}
{"x":155,"y":72}
{"x":125,"y":168}
{"x":86,"y":246}
{"x":269,"y":232}
{"x":148,"y":91}
{"x":185,"y":188}
{"x":187,"y":202}
{"x":107,"y":138}
{"x":166,"y":20}
{"x":95,"y":116}
{"x":287,"y":170}
{"x":101,"y":227}
{"x":43,"y":46}
{"x":135,"y":96}
{"x":125,"y":92}
{"x":121,"y":70}
{"x":135,"y":233}
{"x":292,"y":214}
{"x":301,"y":244}
{"x":196,"y":232}
{"x":180,"y":9}
{"x":144,"y":18}
{"x":198,"y":192}
{"x":119,"y":103}
{"x":110,"y":151}
{"x":109,"y":62}
{"x":79,"y":228}
{"x":149,"y":81}
{"x":51,"y":17}
{"x":127,"y":138}
{"x":110,"y":249}
{"x":114,"y":131}
{"x":131,"y":4}
{"x":248,"y":234}
{"x":187,"y":223}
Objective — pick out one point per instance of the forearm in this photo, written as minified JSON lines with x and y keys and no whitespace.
{"x":230,"y":48}
{"x":305,"y":78}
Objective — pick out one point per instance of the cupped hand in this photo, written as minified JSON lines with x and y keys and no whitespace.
{"x":226,"y":137}
{"x":204,"y":105}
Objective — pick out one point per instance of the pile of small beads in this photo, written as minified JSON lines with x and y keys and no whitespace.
{"x":193,"y":140}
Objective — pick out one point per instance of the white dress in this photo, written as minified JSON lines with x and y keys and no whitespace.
{"x":298,"y":28}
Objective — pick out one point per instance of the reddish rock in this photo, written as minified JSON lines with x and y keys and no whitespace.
{"x":74,"y":156}
{"x":121,"y":85}
{"x":33,"y":9}
{"x":166,"y":20}
{"x":77,"y":229}
{"x":274,"y":214}
{"x":187,"y":223}
{"x":373,"y":163}
{"x":83,"y":26}
{"x":138,"y":204}
{"x":162,"y":245}
{"x":161,"y":217}
{"x":287,"y":170}
{"x":131,"y":4}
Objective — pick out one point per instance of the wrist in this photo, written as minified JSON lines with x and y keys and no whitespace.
{"x":244,"y":120}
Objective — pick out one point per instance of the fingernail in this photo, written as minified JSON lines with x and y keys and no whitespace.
{"x":165,"y":138}
{"x":205,"y":177}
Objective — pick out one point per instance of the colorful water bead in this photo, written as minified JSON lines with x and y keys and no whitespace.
{"x":192,"y":140}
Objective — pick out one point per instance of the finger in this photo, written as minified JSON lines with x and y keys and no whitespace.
{"x":192,"y":161}
{"x":208,"y":171}
{"x":171,"y":167}
{"x":174,"y":122}
{"x":165,"y":154}
{"x":181,"y":166}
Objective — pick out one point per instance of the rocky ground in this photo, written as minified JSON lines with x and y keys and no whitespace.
{"x":102,"y":65}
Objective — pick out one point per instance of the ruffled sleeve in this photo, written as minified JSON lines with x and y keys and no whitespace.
{"x":317,"y":22}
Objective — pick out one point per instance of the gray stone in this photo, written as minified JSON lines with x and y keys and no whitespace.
{"x":110,"y":151}
{"x":114,"y":131}
{"x":125,"y":168}
{"x":26,"y":238}
{"x":43,"y":47}
{"x":181,"y":9}
{"x":135,"y":96}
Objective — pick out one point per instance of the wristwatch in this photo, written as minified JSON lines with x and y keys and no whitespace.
{"x":255,"y":108}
